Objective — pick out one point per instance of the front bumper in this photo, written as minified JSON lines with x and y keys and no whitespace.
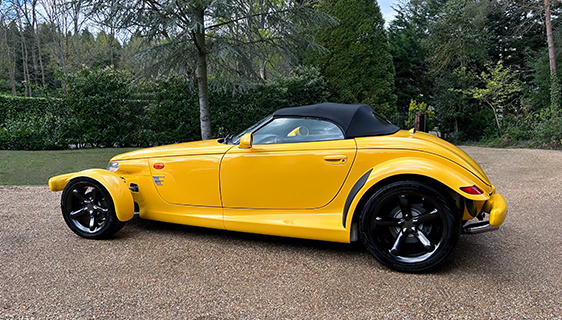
{"x":496,"y":208}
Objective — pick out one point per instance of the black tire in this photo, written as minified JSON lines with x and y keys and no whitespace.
{"x":409,"y":226}
{"x":88,"y":209}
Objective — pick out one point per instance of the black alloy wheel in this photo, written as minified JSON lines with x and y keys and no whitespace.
{"x":88,"y":209}
{"x":409,"y":226}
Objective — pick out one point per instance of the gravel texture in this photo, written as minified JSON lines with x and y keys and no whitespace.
{"x":155,"y":270}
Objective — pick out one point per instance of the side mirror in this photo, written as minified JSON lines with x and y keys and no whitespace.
{"x":246,"y":141}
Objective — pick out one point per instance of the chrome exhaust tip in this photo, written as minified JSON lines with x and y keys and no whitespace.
{"x":478,"y":227}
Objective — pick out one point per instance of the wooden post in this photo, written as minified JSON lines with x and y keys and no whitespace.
{"x":419,"y":121}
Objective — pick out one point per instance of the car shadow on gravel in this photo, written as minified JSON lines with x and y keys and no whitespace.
{"x":466,"y":257}
{"x":139,"y":226}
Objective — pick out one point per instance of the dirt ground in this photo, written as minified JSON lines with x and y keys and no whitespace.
{"x":154,"y":270}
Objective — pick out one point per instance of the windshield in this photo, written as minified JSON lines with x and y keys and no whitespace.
{"x":236,"y":139}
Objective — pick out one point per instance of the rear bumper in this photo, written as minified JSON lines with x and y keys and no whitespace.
{"x":496,"y":208}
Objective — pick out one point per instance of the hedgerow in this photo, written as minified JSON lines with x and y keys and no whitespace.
{"x":106,"y":108}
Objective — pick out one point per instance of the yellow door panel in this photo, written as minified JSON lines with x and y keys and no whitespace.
{"x":286,"y":176}
{"x":188,"y":180}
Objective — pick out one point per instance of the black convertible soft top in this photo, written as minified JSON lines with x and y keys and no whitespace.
{"x":356,"y":120}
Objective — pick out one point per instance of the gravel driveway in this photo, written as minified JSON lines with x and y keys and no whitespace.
{"x":156,"y":270}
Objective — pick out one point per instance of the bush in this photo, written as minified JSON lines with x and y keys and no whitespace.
{"x":233,"y":114}
{"x":549,"y":130}
{"x":31,"y":123}
{"x":102,"y":113}
{"x":105,"y":108}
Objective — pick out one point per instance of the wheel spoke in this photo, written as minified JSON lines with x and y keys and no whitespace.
{"x":427,"y":216}
{"x":405,"y":206}
{"x":77,"y":195}
{"x":98,"y":208}
{"x":78,"y":213}
{"x":399,"y":241}
{"x":94,"y":194}
{"x":424,"y":241}
{"x":387,"y":222}
{"x":92,"y":222}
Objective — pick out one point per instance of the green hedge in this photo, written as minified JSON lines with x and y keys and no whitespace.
{"x":106,"y":108}
{"x":32,"y":123}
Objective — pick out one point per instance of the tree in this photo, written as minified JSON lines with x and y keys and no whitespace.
{"x":232,"y":34}
{"x":357,"y":62}
{"x":500,"y":90}
{"x":408,"y":34}
{"x":555,"y":85}
{"x":459,"y":36}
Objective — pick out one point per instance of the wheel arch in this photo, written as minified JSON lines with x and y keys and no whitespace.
{"x":117,"y":188}
{"x":446,"y":177}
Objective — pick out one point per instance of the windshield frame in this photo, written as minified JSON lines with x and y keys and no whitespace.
{"x":235,"y":140}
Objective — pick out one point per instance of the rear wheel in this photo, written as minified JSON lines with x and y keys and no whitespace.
{"x":88,"y":209}
{"x":409,"y":226}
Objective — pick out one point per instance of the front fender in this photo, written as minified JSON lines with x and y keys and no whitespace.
{"x":448,"y":173}
{"x":117,"y":188}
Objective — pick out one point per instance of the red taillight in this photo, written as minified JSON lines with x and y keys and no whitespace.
{"x":158,"y":166}
{"x":472,"y":190}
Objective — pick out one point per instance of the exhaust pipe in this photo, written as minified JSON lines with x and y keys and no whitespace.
{"x":478,"y":227}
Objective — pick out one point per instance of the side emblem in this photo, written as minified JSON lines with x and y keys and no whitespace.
{"x":158,"y":180}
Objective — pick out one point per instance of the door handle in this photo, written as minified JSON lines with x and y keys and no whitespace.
{"x":336,"y":159}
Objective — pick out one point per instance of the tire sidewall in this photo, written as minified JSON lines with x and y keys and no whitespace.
{"x":450,"y":220}
{"x":111,"y":225}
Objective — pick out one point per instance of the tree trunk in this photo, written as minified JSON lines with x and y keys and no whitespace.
{"x":12,"y":70}
{"x":202,"y":78}
{"x":13,"y":79}
{"x":77,"y":32}
{"x":25,"y":66}
{"x":37,"y":41}
{"x":111,"y":34}
{"x":9,"y":55}
{"x":24,"y":58}
{"x":554,"y":85}
{"x":456,"y":127}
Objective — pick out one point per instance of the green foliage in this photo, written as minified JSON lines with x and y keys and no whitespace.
{"x":549,"y":129}
{"x":31,"y":123}
{"x":173,"y":112}
{"x":458,"y":36}
{"x":233,"y":114}
{"x":420,"y":107}
{"x":102,"y":112}
{"x":104,"y":108}
{"x":499,"y":89}
{"x":357,"y":65}
{"x":407,"y":35}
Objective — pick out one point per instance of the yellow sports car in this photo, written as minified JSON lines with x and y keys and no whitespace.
{"x":328,"y":171}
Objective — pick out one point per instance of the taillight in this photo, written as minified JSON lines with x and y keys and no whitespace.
{"x":472,"y":190}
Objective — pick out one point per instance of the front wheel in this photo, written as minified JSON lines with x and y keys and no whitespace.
{"x":409,"y":226}
{"x":88,"y":209}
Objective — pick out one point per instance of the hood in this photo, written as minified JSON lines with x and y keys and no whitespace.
{"x":180,"y":149}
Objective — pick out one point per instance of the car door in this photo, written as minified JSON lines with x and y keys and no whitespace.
{"x":294,"y":163}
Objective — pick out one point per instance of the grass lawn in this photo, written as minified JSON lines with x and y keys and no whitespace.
{"x":36,"y":167}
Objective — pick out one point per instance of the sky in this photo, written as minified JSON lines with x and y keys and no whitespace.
{"x":386,"y":10}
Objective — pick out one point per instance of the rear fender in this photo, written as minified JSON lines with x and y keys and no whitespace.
{"x":117,"y":188}
{"x":446,"y":172}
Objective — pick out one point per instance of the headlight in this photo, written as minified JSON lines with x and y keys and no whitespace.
{"x":113,"y":166}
